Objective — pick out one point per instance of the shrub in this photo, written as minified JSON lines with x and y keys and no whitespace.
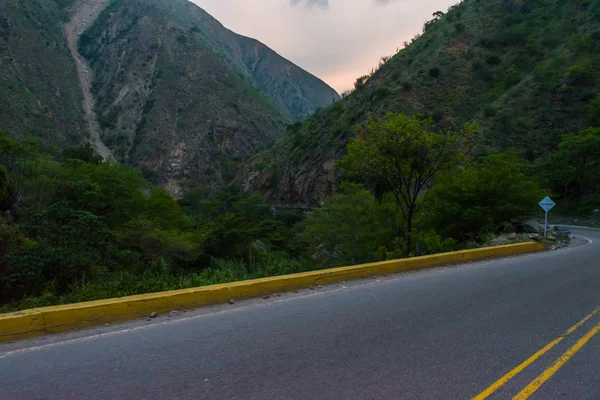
{"x":381,"y":92}
{"x":582,"y":73}
{"x":434,"y":72}
{"x":493,"y":59}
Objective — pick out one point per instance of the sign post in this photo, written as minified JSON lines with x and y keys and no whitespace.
{"x":547,"y":204}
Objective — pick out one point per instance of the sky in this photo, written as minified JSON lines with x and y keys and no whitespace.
{"x":336,"y":40}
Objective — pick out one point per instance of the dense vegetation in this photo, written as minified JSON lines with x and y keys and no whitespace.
{"x":500,"y":106}
{"x":75,"y":228}
{"x":39,"y":94}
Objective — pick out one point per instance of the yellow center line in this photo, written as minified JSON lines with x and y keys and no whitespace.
{"x":547,"y":374}
{"x":500,"y":382}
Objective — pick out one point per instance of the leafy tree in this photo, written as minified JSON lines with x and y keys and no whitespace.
{"x":468,"y":202}
{"x":575,"y":167}
{"x":163,"y":210}
{"x":14,"y":159}
{"x":594,"y":113}
{"x":3,"y":180}
{"x":350,"y":228}
{"x":84,"y":153}
{"x":404,"y":156}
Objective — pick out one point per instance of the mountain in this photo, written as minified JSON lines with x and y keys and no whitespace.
{"x":525,"y":71}
{"x":39,"y":94}
{"x":158,"y":84}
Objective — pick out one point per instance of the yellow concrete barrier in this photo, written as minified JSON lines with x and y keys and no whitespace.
{"x":42,"y":321}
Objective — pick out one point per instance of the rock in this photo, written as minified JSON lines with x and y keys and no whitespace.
{"x":534,"y":236}
{"x":173,"y":314}
{"x":231,"y":301}
{"x":531,"y":226}
{"x":153,"y":315}
{"x":375,"y":278}
{"x":320,"y":287}
{"x":512,"y":236}
{"x":550,"y":236}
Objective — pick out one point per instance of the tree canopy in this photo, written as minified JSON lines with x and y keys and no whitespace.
{"x":403,"y":156}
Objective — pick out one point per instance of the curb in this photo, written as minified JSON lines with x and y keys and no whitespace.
{"x":56,"y":319}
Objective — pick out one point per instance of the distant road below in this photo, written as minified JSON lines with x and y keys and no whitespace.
{"x":523,"y":326}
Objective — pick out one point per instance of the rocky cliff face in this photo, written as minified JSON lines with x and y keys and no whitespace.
{"x":159,"y":84}
{"x":181,"y":97}
{"x":294,"y":91}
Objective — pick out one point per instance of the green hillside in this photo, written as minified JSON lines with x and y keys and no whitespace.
{"x":526,"y":72}
{"x":39,"y":93}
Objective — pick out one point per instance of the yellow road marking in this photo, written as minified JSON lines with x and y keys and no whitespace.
{"x":547,"y":374}
{"x":500,"y":382}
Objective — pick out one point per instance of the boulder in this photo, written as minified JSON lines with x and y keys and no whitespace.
{"x":534,"y":236}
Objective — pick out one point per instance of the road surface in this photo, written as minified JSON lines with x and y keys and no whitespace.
{"x":494,"y":329}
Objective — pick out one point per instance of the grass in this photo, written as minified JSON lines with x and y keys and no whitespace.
{"x":160,"y":279}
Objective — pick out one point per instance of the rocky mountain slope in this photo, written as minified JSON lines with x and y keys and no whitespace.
{"x":181,"y":97}
{"x":525,"y":71}
{"x":158,"y":84}
{"x":39,"y":94}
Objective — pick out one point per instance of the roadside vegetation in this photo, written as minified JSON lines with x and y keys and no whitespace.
{"x":75,"y":228}
{"x":445,"y":146}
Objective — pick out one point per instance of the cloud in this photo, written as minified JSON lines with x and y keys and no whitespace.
{"x":383,"y":2}
{"x":310,"y":3}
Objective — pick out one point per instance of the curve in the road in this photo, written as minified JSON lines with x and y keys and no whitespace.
{"x":438,"y":334}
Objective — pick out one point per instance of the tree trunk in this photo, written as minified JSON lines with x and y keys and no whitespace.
{"x":409,"y":221}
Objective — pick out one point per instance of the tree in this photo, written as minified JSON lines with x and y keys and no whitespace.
{"x":84,"y":153}
{"x":479,"y":198}
{"x":403,"y":156}
{"x":3,"y":180}
{"x":350,"y":228}
{"x":575,"y":167}
{"x":594,"y":112}
{"x":14,"y":157}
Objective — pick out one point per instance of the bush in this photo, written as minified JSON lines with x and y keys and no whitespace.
{"x":480,"y":198}
{"x":434,"y":72}
{"x":493,"y":59}
{"x":381,"y":93}
{"x":349,"y":229}
{"x":582,"y":73}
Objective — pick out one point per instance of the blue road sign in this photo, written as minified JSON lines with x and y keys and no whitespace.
{"x":547,"y":204}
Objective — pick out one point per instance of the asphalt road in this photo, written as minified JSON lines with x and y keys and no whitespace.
{"x":439,"y":334}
